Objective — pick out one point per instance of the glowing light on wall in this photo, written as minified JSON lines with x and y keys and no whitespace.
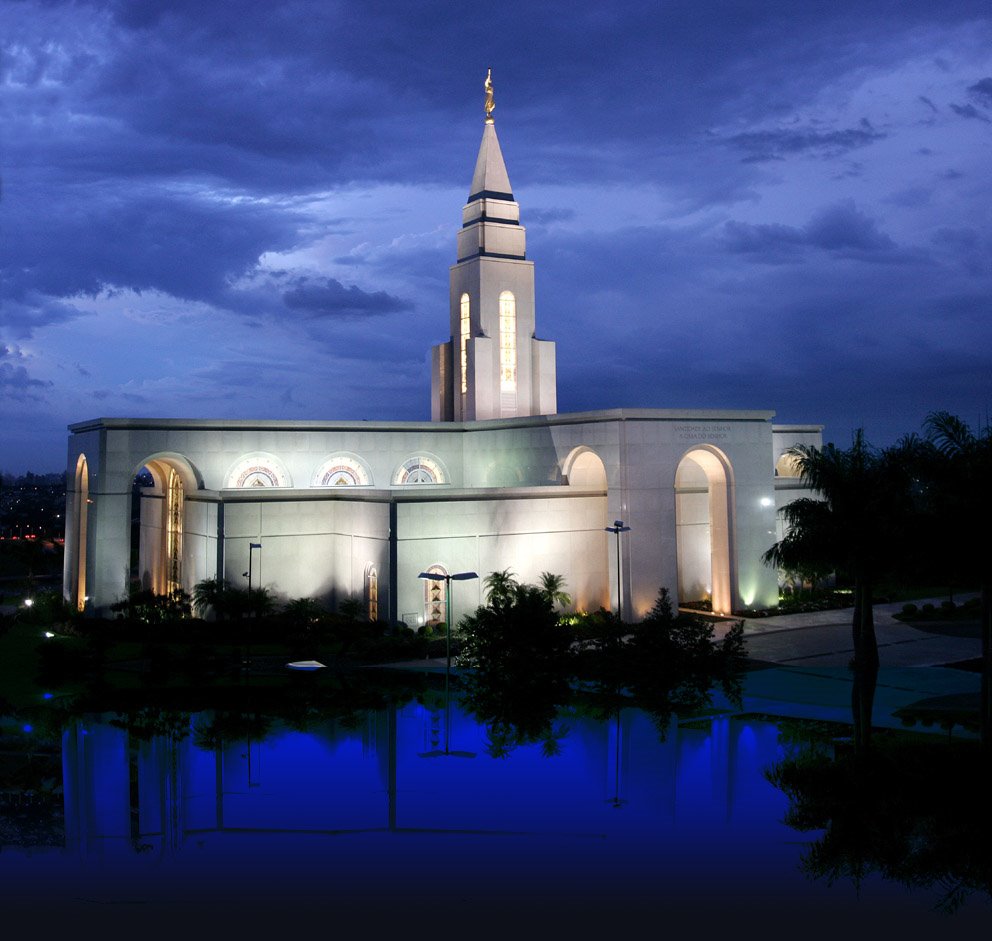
{"x":507,"y":342}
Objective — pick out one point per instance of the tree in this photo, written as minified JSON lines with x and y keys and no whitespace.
{"x":553,"y":588}
{"x":500,"y":587}
{"x":963,"y":504}
{"x":860,"y":525}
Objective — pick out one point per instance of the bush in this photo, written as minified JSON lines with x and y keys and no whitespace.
{"x":909,"y":610}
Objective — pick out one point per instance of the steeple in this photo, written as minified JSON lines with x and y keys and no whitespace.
{"x":493,"y":366}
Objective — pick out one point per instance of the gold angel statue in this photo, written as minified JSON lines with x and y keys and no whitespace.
{"x":490,"y":104}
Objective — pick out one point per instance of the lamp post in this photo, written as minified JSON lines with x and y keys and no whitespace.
{"x":447,"y":579}
{"x":252,"y":546}
{"x":618,"y":527}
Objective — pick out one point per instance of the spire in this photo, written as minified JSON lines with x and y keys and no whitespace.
{"x":490,"y":179}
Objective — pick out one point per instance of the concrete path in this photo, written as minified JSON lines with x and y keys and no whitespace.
{"x":823,"y":638}
{"x":811,"y":676}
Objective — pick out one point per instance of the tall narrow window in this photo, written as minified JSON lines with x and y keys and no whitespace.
{"x":372,"y":592}
{"x":507,"y":342}
{"x":173,"y":532}
{"x":465,"y":327}
{"x":82,"y":498}
{"x":435,"y":599}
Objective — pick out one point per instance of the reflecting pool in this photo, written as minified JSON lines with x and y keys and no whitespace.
{"x":412,"y":813}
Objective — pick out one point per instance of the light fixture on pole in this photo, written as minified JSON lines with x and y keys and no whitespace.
{"x":447,"y":579}
{"x":618,"y":527}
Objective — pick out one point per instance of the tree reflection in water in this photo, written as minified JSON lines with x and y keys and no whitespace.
{"x":915,"y":811}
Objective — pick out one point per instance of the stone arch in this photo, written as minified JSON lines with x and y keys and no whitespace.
{"x":342,"y":469}
{"x":704,"y":525}
{"x":421,"y":468}
{"x":593,"y":553}
{"x":80,"y":517}
{"x":584,"y":468}
{"x":161,"y":485}
{"x":257,"y":469}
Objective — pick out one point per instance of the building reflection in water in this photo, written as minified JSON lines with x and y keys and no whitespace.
{"x":126,"y":795}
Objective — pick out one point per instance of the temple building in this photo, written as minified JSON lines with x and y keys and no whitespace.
{"x":337,"y":510}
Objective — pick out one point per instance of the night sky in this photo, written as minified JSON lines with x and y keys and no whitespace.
{"x":248,"y":210}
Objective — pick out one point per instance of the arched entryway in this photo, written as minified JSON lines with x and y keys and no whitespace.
{"x":704,"y":528}
{"x":592,"y":552}
{"x":161,"y":485}
{"x":80,"y":511}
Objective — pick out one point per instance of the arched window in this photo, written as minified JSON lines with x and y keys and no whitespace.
{"x":435,"y":600}
{"x":465,"y":327}
{"x":342,"y":470}
{"x":507,"y":342}
{"x":372,"y":592}
{"x":419,"y":470}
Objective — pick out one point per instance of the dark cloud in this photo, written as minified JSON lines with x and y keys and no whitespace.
{"x":929,"y":103}
{"x":761,"y":146}
{"x":16,"y":385}
{"x":186,"y":244}
{"x":844,"y":226}
{"x":982,"y":90}
{"x":970,"y":111}
{"x":841,"y":228}
{"x":329,"y":297}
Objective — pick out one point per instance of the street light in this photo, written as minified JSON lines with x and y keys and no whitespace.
{"x":618,"y":527}
{"x":252,"y":546}
{"x":448,"y":579}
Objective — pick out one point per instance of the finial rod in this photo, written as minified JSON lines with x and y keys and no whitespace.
{"x":490,"y":103}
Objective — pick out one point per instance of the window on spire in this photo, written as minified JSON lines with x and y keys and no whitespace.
{"x":507,"y":342}
{"x":465,"y":326}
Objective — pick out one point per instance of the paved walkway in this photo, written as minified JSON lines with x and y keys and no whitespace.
{"x":810,"y":678}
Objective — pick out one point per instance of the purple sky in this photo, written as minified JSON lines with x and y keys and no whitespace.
{"x":248,"y":210}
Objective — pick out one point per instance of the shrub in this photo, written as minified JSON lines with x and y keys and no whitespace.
{"x":909,"y":610}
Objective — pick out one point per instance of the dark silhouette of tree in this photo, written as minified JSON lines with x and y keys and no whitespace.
{"x":500,"y":586}
{"x":553,"y":588}
{"x":517,"y":653}
{"x":963,"y":504}
{"x":861,"y":525}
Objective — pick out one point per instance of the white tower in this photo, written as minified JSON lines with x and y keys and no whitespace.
{"x":493,"y":366}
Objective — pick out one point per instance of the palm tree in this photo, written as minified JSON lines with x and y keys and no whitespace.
{"x":553,"y":588}
{"x":857,"y":526}
{"x":964,"y":506}
{"x":500,"y":587}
